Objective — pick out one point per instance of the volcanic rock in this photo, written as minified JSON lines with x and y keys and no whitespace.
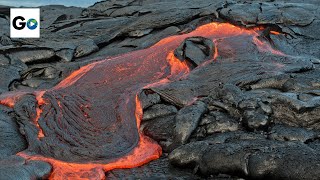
{"x":148,"y":99}
{"x":65,"y":54}
{"x":270,"y":13}
{"x":25,"y":108}
{"x":4,"y":60}
{"x":220,"y":122}
{"x":4,"y":27}
{"x":219,"y":138}
{"x":187,"y":120}
{"x":255,"y":121}
{"x":15,"y":167}
{"x":189,"y":154}
{"x":31,"y":56}
{"x":160,"y":129}
{"x":158,"y":110}
{"x":11,"y":140}
{"x":139,"y":33}
{"x":8,"y":74}
{"x":196,"y":50}
{"x":5,"y":40}
{"x":37,"y":77}
{"x":85,"y":48}
{"x":55,"y":13}
{"x":158,"y":169}
{"x":251,"y":158}
{"x":287,"y":133}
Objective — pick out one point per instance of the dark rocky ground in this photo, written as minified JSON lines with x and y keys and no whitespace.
{"x":257,"y":114}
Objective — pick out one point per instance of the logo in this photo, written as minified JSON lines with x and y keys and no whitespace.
{"x":32,"y":24}
{"x":25,"y":23}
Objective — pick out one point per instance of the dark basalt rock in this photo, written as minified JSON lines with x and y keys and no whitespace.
{"x":250,"y":158}
{"x":270,"y":13}
{"x":187,"y":120}
{"x":4,"y":27}
{"x":160,"y":129}
{"x":277,"y":99}
{"x":65,"y":54}
{"x":255,"y":121}
{"x":188,"y":155}
{"x":101,"y":8}
{"x":220,"y":138}
{"x":25,"y":108}
{"x":287,"y":133}
{"x":289,"y":110}
{"x":31,"y":56}
{"x":216,"y":122}
{"x":5,"y":40}
{"x":85,"y":48}
{"x":139,"y":33}
{"x":56,"y":13}
{"x":4,"y":60}
{"x":15,"y":167}
{"x":148,"y":98}
{"x":158,"y":169}
{"x":221,"y":123}
{"x":195,"y":50}
{"x":158,"y":110}
{"x":8,"y":74}
{"x":11,"y":141}
{"x":37,"y":77}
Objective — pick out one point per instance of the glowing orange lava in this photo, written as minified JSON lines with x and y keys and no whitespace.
{"x":265,"y":47}
{"x":73,"y":77}
{"x":275,"y":32}
{"x":146,"y":151}
{"x":177,"y":66}
{"x":40,"y":101}
{"x":134,"y":66}
{"x":9,"y":99}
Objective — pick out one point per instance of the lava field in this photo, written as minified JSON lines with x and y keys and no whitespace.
{"x":172,"y":89}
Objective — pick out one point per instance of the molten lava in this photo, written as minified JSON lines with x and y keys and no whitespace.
{"x":90,"y":122}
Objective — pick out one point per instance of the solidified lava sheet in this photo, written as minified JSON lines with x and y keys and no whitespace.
{"x":90,"y":121}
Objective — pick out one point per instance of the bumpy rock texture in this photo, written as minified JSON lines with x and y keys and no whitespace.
{"x":254,"y":112}
{"x":15,"y":167}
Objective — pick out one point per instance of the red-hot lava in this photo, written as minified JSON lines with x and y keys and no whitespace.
{"x":97,"y":107}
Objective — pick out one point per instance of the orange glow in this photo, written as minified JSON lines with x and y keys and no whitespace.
{"x":176,"y":65}
{"x":265,"y":47}
{"x":215,"y":55}
{"x":40,"y":102}
{"x":139,"y":112}
{"x":73,"y":77}
{"x":9,"y":101}
{"x":275,"y":32}
{"x":146,"y":151}
{"x":145,"y":68}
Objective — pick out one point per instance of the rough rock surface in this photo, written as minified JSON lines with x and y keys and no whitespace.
{"x":253,"y":158}
{"x":187,"y":120}
{"x":11,"y":141}
{"x":15,"y":167}
{"x":195,"y":50}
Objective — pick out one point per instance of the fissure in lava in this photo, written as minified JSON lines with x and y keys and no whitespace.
{"x":89,"y":123}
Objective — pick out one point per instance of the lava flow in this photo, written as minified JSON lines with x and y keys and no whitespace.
{"x":89,"y":123}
